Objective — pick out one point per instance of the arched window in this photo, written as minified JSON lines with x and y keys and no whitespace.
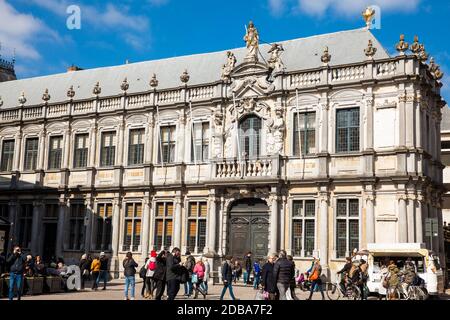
{"x":250,"y":136}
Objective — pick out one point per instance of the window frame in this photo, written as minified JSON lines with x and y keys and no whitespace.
{"x":104,"y":244}
{"x":303,"y":219}
{"x":203,"y":142}
{"x":251,"y":136}
{"x":164,"y":218}
{"x":8,"y":164}
{"x":347,"y":218}
{"x":25,"y":225}
{"x":169,"y":144}
{"x":348,"y":126}
{"x":108,"y":157}
{"x":196,"y":218}
{"x":137,"y":157}
{"x":133,"y":247}
{"x":81,"y":153}
{"x":31,"y":154}
{"x":304,"y":134}
{"x":55,"y":155}
{"x":76,"y":219}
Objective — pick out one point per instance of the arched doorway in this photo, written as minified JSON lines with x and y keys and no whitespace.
{"x":250,"y":136}
{"x":249,"y":228}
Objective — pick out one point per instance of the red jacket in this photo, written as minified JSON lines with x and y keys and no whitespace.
{"x":199,"y":269}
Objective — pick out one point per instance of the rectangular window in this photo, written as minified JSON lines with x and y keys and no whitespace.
{"x":347,"y":226}
{"x":305,"y":129}
{"x":133,"y":226}
{"x":4,"y":211}
{"x":200,"y":142}
{"x":104,"y":227}
{"x":136,"y":147}
{"x":55,"y":154}
{"x":108,"y":149}
{"x":31,"y":153}
{"x":163,"y":225}
{"x":347,"y":130}
{"x":197,"y":226}
{"x":51,"y":211}
{"x":303,"y":227}
{"x":25,"y":225}
{"x":81,"y":151}
{"x":77,"y":228}
{"x":167,"y":135}
{"x":7,"y":155}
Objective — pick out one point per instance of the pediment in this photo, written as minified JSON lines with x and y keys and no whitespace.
{"x":251,"y":86}
{"x":250,"y":68}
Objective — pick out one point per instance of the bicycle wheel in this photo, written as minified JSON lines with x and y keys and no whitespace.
{"x":332,"y":291}
{"x":356,"y":293}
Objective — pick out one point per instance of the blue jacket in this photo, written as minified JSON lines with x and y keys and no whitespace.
{"x":256,"y":268}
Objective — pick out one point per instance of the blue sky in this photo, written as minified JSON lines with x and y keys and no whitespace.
{"x":114,"y":31}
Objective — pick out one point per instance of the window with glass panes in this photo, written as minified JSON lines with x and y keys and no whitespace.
{"x":303,"y":227}
{"x":250,"y":136}
{"x":76,"y":226}
{"x":136,"y":147}
{"x":163,"y":225}
{"x":196,"y":236}
{"x":51,"y":211}
{"x":4,"y":211}
{"x":133,"y":226}
{"x":7,"y":155}
{"x":108,"y":150}
{"x":200,"y":143}
{"x":347,"y":226}
{"x":55,"y":152}
{"x":25,"y":223}
{"x":104,"y":226}
{"x":347,"y":130}
{"x":167,"y":135}
{"x":31,"y":153}
{"x":305,"y":129}
{"x":81,"y":150}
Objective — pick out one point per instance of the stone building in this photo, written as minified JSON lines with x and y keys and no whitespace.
{"x":316,"y":145}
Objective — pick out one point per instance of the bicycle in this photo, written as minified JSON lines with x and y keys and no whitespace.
{"x":335,"y":290}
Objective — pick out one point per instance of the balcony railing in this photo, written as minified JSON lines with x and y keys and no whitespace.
{"x":246,"y":168}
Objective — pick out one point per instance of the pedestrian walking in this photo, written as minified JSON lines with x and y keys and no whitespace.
{"x":315,"y":279}
{"x":129,"y":270}
{"x":393,"y":280}
{"x":159,"y":276}
{"x":189,"y":264}
{"x":95,"y":271}
{"x":103,"y":275}
{"x":256,"y":275}
{"x":247,"y":267}
{"x":292,"y":283}
{"x":198,"y":277}
{"x":174,"y":270}
{"x":227,"y":278}
{"x":207,"y":274}
{"x":16,"y":261}
{"x":85,"y":268}
{"x":237,"y":270}
{"x":283,"y":272}
{"x":267,"y":277}
{"x":143,"y":276}
{"x":150,"y":266}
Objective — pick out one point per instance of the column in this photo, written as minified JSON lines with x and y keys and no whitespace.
{"x":401,"y":122}
{"x":181,"y":136}
{"x":410,"y":220}
{"x":115,"y":237}
{"x":323,"y":136}
{"x":274,"y":221}
{"x":92,"y":146}
{"x":62,"y":215}
{"x":409,"y":123}
{"x":369,"y":123}
{"x":402,"y":219}
{"x":12,"y":217}
{"x":42,"y":138}
{"x":66,"y":152}
{"x":120,"y":145}
{"x":419,"y":220}
{"x":222,"y":217}
{"x":36,"y":228}
{"x":323,"y":229}
{"x":148,"y":155}
{"x":370,"y":219}
{"x":18,"y":151}
{"x":88,"y":224}
{"x":177,"y":223}
{"x":212,"y":223}
{"x":145,"y":226}
{"x":425,"y":216}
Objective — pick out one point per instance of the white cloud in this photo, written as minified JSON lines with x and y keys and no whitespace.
{"x":342,"y":7}
{"x":22,"y":31}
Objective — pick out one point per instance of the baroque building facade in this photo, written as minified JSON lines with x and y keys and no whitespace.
{"x":317,"y":145}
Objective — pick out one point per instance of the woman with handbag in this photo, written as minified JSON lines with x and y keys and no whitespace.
{"x":198,"y":276}
{"x":315,"y":279}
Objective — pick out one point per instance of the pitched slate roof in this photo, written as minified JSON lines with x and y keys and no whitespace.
{"x":304,"y":53}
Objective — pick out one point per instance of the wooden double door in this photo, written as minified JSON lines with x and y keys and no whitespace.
{"x":249,"y":228}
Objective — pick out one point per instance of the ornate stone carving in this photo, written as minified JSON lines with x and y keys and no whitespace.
{"x":419,"y":50}
{"x":326,"y":57}
{"x":402,"y":45}
{"x":97,"y":89}
{"x":435,"y":69}
{"x":70,"y":93}
{"x":185,"y":77}
{"x":386,"y":105}
{"x":251,"y":86}
{"x":153,"y":81}
{"x":275,"y":62}
{"x":276,"y":128}
{"x":228,"y":67}
{"x":247,"y":105}
{"x":46,"y":97}
{"x":415,"y":47}
{"x":370,"y":50}
{"x":125,"y":85}
{"x":182,"y":117}
{"x":218,"y":116}
{"x":22,"y":100}
{"x":251,"y":38}
{"x":368,"y":15}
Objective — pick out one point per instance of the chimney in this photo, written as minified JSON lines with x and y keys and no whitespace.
{"x":73,"y":68}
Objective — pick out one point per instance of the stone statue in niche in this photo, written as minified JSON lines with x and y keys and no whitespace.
{"x":218,"y":132}
{"x":276,"y":128}
{"x":228,"y":67}
{"x":275,"y":62}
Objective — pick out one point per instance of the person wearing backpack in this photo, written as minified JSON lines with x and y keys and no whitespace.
{"x":256,"y":275}
{"x":189,"y":264}
{"x":315,"y":279}
{"x":150,"y":267}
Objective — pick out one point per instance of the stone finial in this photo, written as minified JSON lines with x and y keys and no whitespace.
{"x":153,"y":81}
{"x":185,"y":77}
{"x":46,"y":97}
{"x":368,"y":15}
{"x":435,"y":69}
{"x":402,"y":45}
{"x":22,"y":99}
{"x":415,"y":47}
{"x":71,"y":92}
{"x":125,"y":85}
{"x":370,"y":50}
{"x":97,"y":89}
{"x":423,"y":55}
{"x":326,"y":57}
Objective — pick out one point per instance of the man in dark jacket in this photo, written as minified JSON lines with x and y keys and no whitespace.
{"x":345,"y":270}
{"x":248,"y":267}
{"x":267,"y":279}
{"x":16,"y":261}
{"x":227,"y":278}
{"x":189,"y":264}
{"x":160,"y":275}
{"x":103,"y":270}
{"x":173,"y":273}
{"x":129,"y":270}
{"x":283,"y":272}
